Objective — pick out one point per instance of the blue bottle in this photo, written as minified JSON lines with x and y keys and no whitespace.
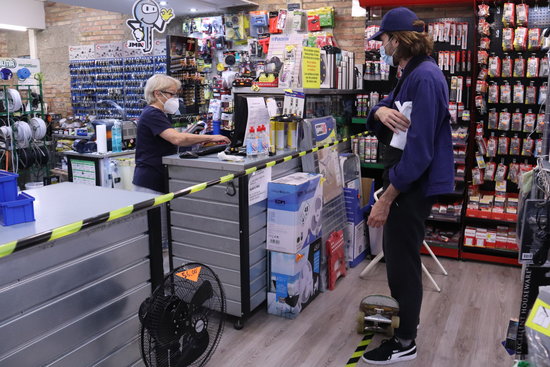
{"x":117,"y":137}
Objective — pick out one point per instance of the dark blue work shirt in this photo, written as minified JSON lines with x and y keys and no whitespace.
{"x":150,"y":148}
{"x":428,"y":154}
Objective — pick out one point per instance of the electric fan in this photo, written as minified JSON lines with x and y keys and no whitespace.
{"x":182,"y":322}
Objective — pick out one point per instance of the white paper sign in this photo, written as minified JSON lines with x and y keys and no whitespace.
{"x":257,"y":185}
{"x":257,"y":114}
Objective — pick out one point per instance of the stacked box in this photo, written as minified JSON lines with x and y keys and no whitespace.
{"x":294,"y":280}
{"x":294,"y":207}
{"x":354,"y":228}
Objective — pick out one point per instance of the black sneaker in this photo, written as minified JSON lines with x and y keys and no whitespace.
{"x":390,"y":351}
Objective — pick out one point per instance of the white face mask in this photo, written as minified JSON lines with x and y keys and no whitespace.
{"x":172,"y":105}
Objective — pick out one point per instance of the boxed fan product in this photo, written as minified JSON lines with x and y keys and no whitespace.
{"x":294,"y":280}
{"x":294,"y":206}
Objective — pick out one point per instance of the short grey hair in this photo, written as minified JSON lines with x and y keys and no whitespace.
{"x":159,"y":82}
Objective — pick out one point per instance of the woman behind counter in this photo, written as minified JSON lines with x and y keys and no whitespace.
{"x":156,"y":137}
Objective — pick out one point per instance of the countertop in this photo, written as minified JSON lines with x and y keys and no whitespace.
{"x":211,"y":161}
{"x":99,"y":155}
{"x":65,"y":203}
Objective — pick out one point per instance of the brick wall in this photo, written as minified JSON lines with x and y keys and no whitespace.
{"x":66,"y":26}
{"x":3,"y":45}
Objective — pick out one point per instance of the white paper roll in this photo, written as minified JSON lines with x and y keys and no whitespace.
{"x":101,"y":138}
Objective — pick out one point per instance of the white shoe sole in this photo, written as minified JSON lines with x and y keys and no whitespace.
{"x":391,"y":361}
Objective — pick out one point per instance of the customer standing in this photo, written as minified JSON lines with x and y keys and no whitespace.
{"x":156,"y":137}
{"x":414,"y":175}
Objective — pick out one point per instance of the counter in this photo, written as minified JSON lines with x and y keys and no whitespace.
{"x":74,"y":301}
{"x":218,"y":227}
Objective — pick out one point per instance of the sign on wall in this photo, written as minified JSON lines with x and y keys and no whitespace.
{"x":148,"y":17}
{"x":32,"y":67}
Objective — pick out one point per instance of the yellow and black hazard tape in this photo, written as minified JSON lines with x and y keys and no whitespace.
{"x":356,"y":356}
{"x":8,"y":248}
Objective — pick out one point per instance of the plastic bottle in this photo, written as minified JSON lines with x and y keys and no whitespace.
{"x":252,"y":143}
{"x":117,"y":137}
{"x":263,"y":141}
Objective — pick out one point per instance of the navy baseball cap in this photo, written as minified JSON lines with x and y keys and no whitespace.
{"x":398,"y":19}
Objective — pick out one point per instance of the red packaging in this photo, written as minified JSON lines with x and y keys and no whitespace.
{"x":522,"y":14}
{"x":313,"y":23}
{"x":508,"y":14}
{"x":503,"y":145}
{"x":508,"y":39}
{"x":519,"y":67}
{"x":494,"y":66}
{"x":528,"y":146}
{"x":534,"y":39}
{"x":490,"y":171}
{"x":520,"y":39}
{"x":517,"y":118}
{"x":507,"y":67}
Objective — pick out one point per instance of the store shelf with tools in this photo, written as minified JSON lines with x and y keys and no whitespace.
{"x":510,"y":92}
{"x":24,"y":142}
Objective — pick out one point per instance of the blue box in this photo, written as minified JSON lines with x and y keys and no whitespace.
{"x":17,"y":211}
{"x":8,"y":186}
{"x":355,"y":228}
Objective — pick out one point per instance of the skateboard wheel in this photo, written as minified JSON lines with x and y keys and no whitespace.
{"x":395,"y":322}
{"x":360,"y":323}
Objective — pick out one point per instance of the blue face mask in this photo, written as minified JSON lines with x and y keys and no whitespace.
{"x":388,"y":59}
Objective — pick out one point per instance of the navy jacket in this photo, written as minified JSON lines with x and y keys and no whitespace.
{"x":150,"y":148}
{"x":428,"y":154}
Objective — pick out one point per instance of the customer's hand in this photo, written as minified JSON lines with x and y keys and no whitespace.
{"x":393,"y":119}
{"x":379,"y":214}
{"x":219,"y":139}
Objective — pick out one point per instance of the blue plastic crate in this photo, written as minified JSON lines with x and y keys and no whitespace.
{"x":17,"y":211}
{"x":8,"y":186}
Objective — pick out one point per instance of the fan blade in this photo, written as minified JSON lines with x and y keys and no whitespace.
{"x":193,"y":350}
{"x":204,"y":293}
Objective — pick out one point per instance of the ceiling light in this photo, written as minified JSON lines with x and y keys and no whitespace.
{"x":163,"y":3}
{"x":13,"y":27}
{"x":193,"y":10}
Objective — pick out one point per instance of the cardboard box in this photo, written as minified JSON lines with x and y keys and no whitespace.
{"x":294,"y":206}
{"x":469,"y":236}
{"x":294,"y":280}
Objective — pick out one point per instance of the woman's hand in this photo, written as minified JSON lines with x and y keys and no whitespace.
{"x":393,"y":119}
{"x":219,"y":139}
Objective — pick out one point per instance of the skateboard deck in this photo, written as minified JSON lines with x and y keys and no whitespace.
{"x":378,"y":313}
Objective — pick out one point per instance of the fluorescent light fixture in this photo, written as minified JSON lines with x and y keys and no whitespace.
{"x":13,"y":27}
{"x":193,"y":10}
{"x":163,"y":3}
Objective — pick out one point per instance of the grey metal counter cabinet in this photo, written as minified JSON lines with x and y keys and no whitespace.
{"x":217,"y":227}
{"x":74,"y":301}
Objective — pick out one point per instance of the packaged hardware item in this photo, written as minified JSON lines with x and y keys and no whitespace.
{"x":503,"y":145}
{"x":530,"y":122}
{"x":509,"y":14}
{"x":543,"y":93}
{"x":543,"y":70}
{"x":540,"y":123}
{"x":492,"y":146}
{"x":517,"y":118}
{"x":531,"y":94}
{"x":490,"y":171}
{"x":502,"y":169}
{"x":519,"y":92}
{"x":532,"y":67}
{"x":483,"y":11}
{"x":513,"y":172}
{"x":494,"y":66}
{"x":519,"y":67}
{"x":515,"y":145}
{"x":534,"y":39}
{"x":483,"y":27}
{"x":485,"y":43}
{"x":507,"y":67}
{"x":522,"y":15}
{"x":528,"y":146}
{"x":505,"y":93}
{"x":492,"y":120}
{"x":493,"y":93}
{"x":538,"y":148}
{"x":508,"y":39}
{"x":477,"y":176}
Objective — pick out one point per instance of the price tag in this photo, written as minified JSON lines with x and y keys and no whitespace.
{"x":539,"y":317}
{"x":191,"y":274}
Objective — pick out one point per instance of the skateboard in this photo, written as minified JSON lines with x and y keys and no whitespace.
{"x":378,"y":314}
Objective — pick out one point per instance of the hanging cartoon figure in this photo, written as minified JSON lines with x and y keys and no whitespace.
{"x":148,"y":15}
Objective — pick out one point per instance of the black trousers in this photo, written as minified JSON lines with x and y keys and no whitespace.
{"x":403,"y":235}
